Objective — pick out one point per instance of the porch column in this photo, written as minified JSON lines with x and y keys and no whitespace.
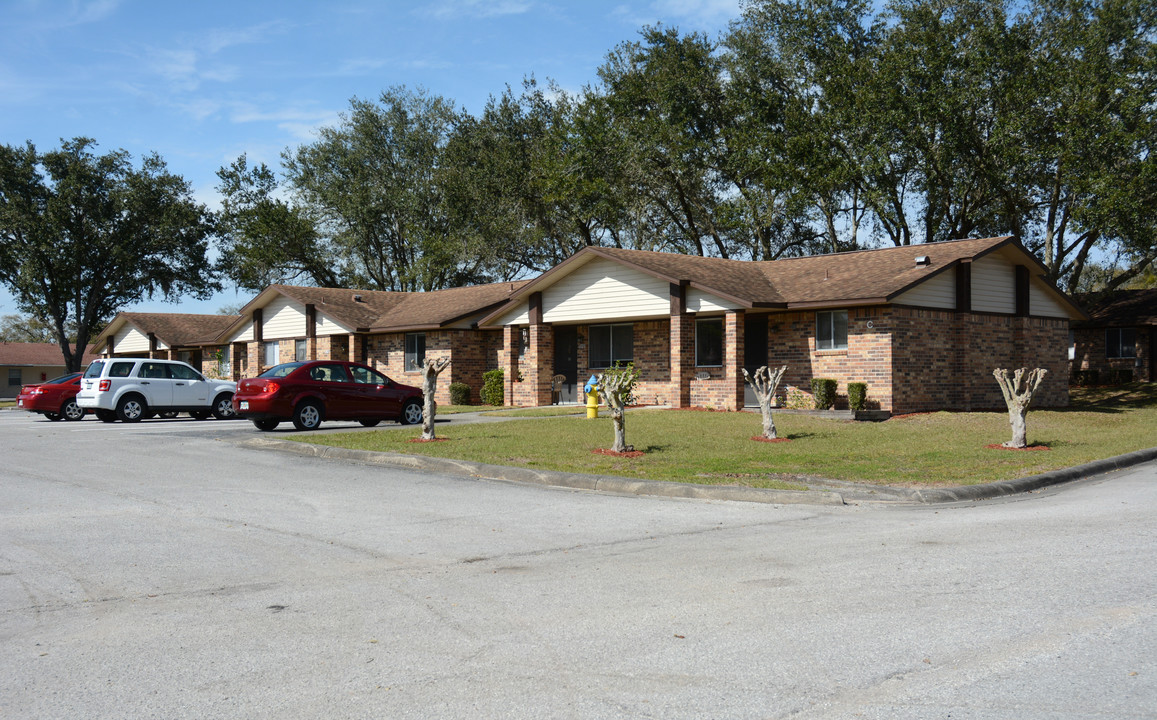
{"x":356,"y":344}
{"x":310,"y":332}
{"x":682,"y":350}
{"x":733,"y":359}
{"x":539,"y":355}
{"x":508,"y":361}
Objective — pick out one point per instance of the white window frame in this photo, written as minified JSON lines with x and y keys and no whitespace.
{"x":414,"y":357}
{"x":832,"y":342}
{"x":616,"y":356}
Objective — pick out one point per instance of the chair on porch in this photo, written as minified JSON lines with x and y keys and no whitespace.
{"x":556,"y":384}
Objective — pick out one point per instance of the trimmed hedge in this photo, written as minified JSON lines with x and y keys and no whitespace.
{"x":857,"y":394}
{"x":824,"y":390}
{"x":493,"y":392}
{"x":459,"y":394}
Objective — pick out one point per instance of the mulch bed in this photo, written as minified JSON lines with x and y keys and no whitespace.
{"x":1030,"y":447}
{"x":437,"y":439}
{"x":760,"y":438}
{"x":612,"y":453}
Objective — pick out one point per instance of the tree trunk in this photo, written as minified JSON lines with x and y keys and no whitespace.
{"x":430,"y":372}
{"x":619,"y":418}
{"x":1018,"y":387}
{"x":765,"y":381}
{"x":615,"y":387}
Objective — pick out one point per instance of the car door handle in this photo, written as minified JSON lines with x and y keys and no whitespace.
{"x":144,"y":382}
{"x":180,"y":383}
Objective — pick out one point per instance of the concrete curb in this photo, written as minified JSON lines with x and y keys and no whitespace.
{"x":656,"y":488}
{"x":578,"y":481}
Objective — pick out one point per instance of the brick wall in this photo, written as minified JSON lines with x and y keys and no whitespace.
{"x":1089,"y":354}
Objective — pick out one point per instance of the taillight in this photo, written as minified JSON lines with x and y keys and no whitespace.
{"x":36,"y":391}
{"x":104,"y":385}
{"x":272,"y":387}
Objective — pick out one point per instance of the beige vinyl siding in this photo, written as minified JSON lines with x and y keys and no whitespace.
{"x":329,"y":326}
{"x":993,"y":285}
{"x":699,"y":301}
{"x":938,"y":291}
{"x":245,"y":334}
{"x":129,"y":339}
{"x":605,"y":290}
{"x":520,"y":315}
{"x":282,"y":318}
{"x":1043,"y":300}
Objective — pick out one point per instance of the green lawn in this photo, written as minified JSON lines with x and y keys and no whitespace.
{"x":934,"y":449}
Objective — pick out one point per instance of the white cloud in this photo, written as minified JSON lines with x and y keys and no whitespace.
{"x":453,"y":9}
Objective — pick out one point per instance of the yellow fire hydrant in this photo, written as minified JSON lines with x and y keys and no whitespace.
{"x":592,"y":390}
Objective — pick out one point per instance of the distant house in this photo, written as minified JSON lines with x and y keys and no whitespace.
{"x":28,"y":363}
{"x":922,"y":325}
{"x":391,"y":331}
{"x":1118,"y":342}
{"x":166,"y":336}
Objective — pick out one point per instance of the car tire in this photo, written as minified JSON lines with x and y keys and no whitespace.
{"x":307,"y":416}
{"x":223,"y":407}
{"x":199,"y":414}
{"x":132,"y":408}
{"x":106,"y":415}
{"x":411,"y":412}
{"x":71,"y":411}
{"x":266,"y":425}
{"x":369,"y":423}
{"x":52,"y":416}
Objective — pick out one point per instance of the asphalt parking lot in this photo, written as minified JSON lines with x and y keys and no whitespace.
{"x":160,"y":570}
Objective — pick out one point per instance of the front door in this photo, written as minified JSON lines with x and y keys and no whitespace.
{"x":754,"y":352}
{"x":566,"y":361}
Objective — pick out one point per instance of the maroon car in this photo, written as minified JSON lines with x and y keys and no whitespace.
{"x":309,"y":392}
{"x":54,"y":399}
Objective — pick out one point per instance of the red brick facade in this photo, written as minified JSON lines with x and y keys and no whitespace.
{"x":912,"y":360}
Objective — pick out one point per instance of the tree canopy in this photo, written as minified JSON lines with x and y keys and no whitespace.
{"x":83,"y":235}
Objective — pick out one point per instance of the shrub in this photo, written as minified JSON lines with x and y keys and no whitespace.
{"x":459,"y":394}
{"x":824,"y":390}
{"x":796,"y":399}
{"x":493,"y":392}
{"x":857,"y":394}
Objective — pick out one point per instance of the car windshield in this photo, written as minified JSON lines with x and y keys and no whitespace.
{"x":280,"y":371}
{"x":63,"y":379}
{"x":94,"y":369}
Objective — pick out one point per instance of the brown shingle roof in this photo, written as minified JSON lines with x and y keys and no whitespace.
{"x":341,"y":305}
{"x":438,"y":308}
{"x":30,"y":354}
{"x":1122,"y":307}
{"x":179,"y":329}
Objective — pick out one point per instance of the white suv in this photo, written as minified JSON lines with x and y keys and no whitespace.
{"x":131,"y":389}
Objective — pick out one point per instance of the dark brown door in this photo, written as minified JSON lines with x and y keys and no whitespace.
{"x":566,"y":361}
{"x":754,"y":351}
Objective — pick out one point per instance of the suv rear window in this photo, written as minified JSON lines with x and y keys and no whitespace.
{"x":94,"y":369}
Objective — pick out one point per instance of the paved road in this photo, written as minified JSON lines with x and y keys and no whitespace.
{"x":158,"y":570}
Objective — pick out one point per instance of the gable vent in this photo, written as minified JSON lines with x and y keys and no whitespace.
{"x":922,"y":260}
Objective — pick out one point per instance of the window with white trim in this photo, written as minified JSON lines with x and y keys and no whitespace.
{"x":709,"y":342}
{"x":610,"y":344}
{"x":832,"y":330}
{"x":271,"y":352}
{"x":415,"y":351}
{"x":299,"y":348}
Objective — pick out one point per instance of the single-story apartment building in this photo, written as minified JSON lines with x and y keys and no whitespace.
{"x":164,"y":336}
{"x":1118,"y":342}
{"x":30,"y":363}
{"x":391,"y":331}
{"x":922,"y":325}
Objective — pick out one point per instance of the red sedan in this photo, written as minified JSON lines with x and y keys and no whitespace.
{"x":54,"y":399}
{"x":309,"y":392}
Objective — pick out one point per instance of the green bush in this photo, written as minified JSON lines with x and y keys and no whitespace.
{"x":459,"y":394}
{"x":857,"y":393}
{"x":493,"y":392}
{"x":824,"y":390}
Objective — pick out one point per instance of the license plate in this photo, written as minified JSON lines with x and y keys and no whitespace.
{"x":19,"y":403}
{"x":244,"y":404}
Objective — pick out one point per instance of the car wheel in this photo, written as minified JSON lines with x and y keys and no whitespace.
{"x":199,"y":414}
{"x":307,"y":416}
{"x":132,"y":408}
{"x":223,"y":407}
{"x":71,"y":411}
{"x":369,"y":423}
{"x":106,"y":415}
{"x":52,"y":416}
{"x":266,"y":425}
{"x":411,"y":412}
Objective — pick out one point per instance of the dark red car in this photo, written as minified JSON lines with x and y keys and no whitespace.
{"x":55,"y":399}
{"x":309,"y":392}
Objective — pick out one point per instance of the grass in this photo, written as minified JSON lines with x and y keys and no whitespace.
{"x":7,"y":403}
{"x":935,"y":449}
{"x":449,"y":409}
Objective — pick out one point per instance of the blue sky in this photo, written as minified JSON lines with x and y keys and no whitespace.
{"x":203,"y":82}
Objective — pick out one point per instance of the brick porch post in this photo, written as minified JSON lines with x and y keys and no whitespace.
{"x":508,"y":361}
{"x":682,"y":350}
{"x":733,"y":359}
{"x":540,"y":363}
